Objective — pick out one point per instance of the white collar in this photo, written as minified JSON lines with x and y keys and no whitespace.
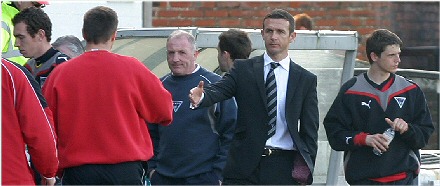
{"x":197,"y":68}
{"x":285,"y":63}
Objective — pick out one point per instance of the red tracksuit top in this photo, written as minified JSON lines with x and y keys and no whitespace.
{"x":101,"y":102}
{"x":26,"y":119}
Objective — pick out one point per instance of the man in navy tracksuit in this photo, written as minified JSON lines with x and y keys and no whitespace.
{"x":192,"y":150}
{"x":369,"y":104}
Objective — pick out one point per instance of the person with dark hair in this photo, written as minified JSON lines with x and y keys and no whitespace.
{"x":233,"y":44}
{"x":377,"y":101}
{"x":9,"y":10}
{"x":101,"y":103}
{"x":33,"y":31}
{"x":276,"y":137}
{"x":69,"y":45}
{"x":26,"y":121}
{"x":303,"y":22}
{"x":202,"y":137}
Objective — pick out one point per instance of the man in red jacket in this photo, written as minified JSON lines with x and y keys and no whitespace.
{"x":26,"y":120}
{"x":101,"y":102}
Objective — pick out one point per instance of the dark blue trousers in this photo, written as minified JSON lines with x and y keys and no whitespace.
{"x":209,"y":178}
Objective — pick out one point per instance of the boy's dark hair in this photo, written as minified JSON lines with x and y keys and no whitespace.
{"x":35,"y":19}
{"x":281,"y":14}
{"x":100,"y":23}
{"x":236,"y":42}
{"x":380,"y":39}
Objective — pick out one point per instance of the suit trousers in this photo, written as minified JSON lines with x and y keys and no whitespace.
{"x":273,"y":169}
{"x":207,"y":178}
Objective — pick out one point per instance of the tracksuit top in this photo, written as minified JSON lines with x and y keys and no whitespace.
{"x":101,"y":102}
{"x":42,"y":66}
{"x":360,"y":107}
{"x":26,"y":120}
{"x":197,"y":141}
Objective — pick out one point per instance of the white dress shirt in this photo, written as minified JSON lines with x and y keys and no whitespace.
{"x":281,"y":139}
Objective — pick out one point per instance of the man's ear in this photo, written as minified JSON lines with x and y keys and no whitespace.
{"x":114,"y":36}
{"x":374,"y":56}
{"x":227,"y":54}
{"x":41,"y":34}
{"x":292,"y":37}
{"x":84,"y":36}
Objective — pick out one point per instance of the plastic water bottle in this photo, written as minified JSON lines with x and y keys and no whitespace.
{"x":389,"y":134}
{"x":147,"y":181}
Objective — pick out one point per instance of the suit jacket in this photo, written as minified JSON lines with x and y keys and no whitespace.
{"x":245,"y":82}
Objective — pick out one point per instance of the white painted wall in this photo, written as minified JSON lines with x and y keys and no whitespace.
{"x":67,"y":16}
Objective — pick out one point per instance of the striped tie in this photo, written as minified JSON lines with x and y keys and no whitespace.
{"x":271,"y":93}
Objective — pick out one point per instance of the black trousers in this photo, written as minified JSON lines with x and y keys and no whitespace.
{"x":127,"y":173}
{"x":274,"y":169}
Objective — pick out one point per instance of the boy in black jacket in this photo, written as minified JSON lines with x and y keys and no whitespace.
{"x":369,"y":104}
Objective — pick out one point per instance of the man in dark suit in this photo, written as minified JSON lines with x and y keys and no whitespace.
{"x":262,"y":153}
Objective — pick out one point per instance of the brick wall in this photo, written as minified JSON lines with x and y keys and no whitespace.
{"x":417,"y":23}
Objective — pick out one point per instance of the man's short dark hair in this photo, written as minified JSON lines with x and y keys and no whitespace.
{"x":380,"y":39}
{"x":100,"y":23}
{"x":281,"y":14}
{"x":35,"y":19}
{"x":303,"y":20}
{"x":236,"y":42}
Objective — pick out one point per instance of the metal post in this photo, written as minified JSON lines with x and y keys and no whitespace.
{"x":147,"y":18}
{"x":336,"y":157}
{"x":334,"y":168}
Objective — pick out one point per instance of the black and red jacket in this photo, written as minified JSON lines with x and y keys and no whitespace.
{"x":361,"y":107}
{"x":42,"y":66}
